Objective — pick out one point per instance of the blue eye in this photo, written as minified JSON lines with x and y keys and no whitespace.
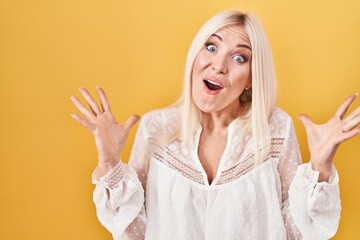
{"x":211,"y":48}
{"x":239,"y":59}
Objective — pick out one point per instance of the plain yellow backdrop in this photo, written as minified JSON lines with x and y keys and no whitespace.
{"x":136,"y":51}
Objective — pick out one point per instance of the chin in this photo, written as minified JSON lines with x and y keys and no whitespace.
{"x":207,"y":109}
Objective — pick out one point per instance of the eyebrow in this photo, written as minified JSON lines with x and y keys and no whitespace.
{"x":239,"y":45}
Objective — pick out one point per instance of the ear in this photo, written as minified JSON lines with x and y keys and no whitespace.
{"x":249,"y":84}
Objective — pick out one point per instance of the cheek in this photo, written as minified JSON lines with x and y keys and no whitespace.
{"x":200,"y":62}
{"x":196,"y":86}
{"x":196,"y":75}
{"x":242,"y":77}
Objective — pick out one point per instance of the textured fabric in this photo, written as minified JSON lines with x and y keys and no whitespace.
{"x":163,"y":192}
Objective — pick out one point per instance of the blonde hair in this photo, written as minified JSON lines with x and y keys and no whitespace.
{"x":263,"y":93}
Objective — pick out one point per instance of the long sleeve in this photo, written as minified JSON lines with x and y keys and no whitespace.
{"x":311,"y":210}
{"x":119,"y":199}
{"x":119,"y":195}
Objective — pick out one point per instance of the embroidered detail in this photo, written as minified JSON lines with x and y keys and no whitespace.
{"x":248,"y":163}
{"x":169,"y":158}
{"x":114,"y":176}
{"x":276,"y":146}
{"x":166,"y":156}
{"x":238,"y":170}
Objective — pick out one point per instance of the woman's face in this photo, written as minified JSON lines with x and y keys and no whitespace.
{"x":222,"y":70}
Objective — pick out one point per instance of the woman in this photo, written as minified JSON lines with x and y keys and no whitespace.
{"x":223,"y":162}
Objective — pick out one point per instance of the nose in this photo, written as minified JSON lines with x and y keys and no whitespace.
{"x":219,"y":64}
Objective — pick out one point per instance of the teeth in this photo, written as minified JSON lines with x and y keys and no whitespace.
{"x":212,"y":85}
{"x":212,"y":82}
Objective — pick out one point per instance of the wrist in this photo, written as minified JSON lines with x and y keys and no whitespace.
{"x":106,"y":166}
{"x":324,"y":170}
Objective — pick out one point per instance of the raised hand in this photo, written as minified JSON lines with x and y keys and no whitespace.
{"x":110,"y":136}
{"x":324,"y":139}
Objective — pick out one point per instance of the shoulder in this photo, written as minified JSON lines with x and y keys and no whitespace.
{"x":159,"y":122}
{"x":280,"y":122}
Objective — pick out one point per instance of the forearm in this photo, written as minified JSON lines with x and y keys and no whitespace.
{"x":314,"y":206}
{"x":119,"y":198}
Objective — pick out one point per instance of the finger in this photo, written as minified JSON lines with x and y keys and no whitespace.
{"x":305,"y":119}
{"x":352,"y":115}
{"x":344,"y":107}
{"x":90,"y":100}
{"x":82,"y":121}
{"x":347,"y":135}
{"x":89,"y":115}
{"x":105,"y":105}
{"x":131,"y":121}
{"x":351,"y":124}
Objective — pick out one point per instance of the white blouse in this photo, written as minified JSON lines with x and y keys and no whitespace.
{"x":163,"y":193}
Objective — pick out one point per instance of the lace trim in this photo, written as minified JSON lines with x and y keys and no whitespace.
{"x":238,"y":170}
{"x":311,"y":174}
{"x":114,"y":176}
{"x":169,"y":158}
{"x":276,"y":146}
{"x":248,"y":163}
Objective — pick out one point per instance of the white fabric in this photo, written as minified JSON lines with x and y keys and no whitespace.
{"x":279,"y":199}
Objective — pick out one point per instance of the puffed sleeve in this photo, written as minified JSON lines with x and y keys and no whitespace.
{"x":311,"y":209}
{"x":119,"y":195}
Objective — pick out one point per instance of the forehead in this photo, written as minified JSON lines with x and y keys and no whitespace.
{"x":234,"y":33}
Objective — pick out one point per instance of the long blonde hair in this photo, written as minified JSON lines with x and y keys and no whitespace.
{"x":263,"y":93}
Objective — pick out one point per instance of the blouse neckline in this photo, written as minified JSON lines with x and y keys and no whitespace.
{"x":231,"y":129}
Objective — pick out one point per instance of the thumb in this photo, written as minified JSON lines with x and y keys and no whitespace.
{"x":132,"y":120}
{"x":306,"y":120}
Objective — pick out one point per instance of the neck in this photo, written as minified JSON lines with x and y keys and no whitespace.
{"x":218,"y":122}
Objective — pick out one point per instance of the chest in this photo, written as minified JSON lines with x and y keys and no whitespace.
{"x":177,"y":206}
{"x":210,"y":152}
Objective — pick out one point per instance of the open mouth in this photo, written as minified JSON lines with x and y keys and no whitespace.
{"x":212,"y":85}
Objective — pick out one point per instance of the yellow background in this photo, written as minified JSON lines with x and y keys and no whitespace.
{"x":136,"y":50}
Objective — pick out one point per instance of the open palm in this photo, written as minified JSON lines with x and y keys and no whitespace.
{"x":324,"y":139}
{"x":110,"y":136}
